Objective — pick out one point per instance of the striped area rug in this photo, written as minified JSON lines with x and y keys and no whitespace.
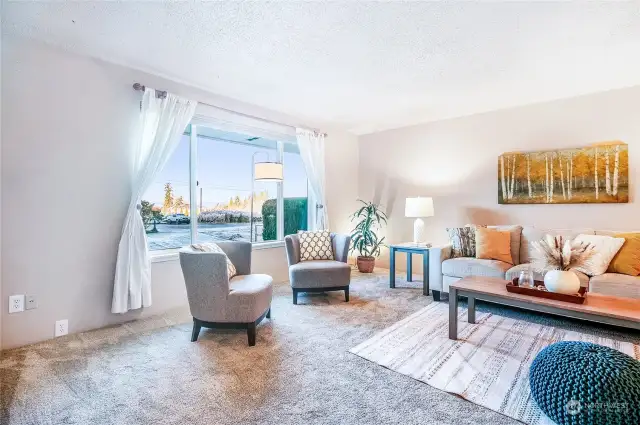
{"x":487,"y":365}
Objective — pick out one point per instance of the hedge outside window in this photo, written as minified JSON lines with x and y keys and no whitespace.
{"x":295,"y":217}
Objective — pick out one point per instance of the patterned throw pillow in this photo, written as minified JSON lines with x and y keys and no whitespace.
{"x":212,"y":247}
{"x":463,"y":241}
{"x":315,"y":245}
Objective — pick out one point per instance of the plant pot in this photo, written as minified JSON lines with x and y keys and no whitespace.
{"x":365,"y":264}
{"x":562,"y":282}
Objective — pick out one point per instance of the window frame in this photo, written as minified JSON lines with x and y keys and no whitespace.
{"x":192,"y":130}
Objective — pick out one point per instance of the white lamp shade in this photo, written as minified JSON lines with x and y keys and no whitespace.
{"x":418,"y":207}
{"x":268,"y":171}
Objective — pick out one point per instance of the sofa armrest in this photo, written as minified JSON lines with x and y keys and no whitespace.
{"x":292,"y":246}
{"x":341,"y":244}
{"x":437,"y":254}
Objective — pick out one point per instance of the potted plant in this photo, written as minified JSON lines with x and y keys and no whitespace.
{"x":558,"y":256}
{"x":364,"y":239}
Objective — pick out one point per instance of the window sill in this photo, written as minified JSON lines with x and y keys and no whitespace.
{"x":172,"y":254}
{"x":164,"y":255}
{"x":267,"y":245}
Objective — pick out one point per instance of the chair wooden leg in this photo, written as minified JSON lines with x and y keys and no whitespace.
{"x":196,"y":330}
{"x":295,"y":297}
{"x":269,"y":313}
{"x":346,"y":294}
{"x":251,"y":334}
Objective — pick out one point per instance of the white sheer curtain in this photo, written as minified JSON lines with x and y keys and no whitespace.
{"x":311,"y":145}
{"x":162,"y":122}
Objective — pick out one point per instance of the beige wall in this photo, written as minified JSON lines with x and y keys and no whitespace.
{"x":455,"y":162}
{"x":65,"y":188}
{"x":1,"y":293}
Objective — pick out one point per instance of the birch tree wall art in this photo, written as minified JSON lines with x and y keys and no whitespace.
{"x":594,"y":174}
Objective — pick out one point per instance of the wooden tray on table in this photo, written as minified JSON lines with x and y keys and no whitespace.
{"x":540,"y":291}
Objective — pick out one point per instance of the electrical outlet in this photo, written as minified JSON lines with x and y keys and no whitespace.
{"x":62,"y":327}
{"x":16,"y":303}
{"x":31,"y":303}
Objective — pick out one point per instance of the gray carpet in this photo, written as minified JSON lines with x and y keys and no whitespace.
{"x":300,"y":371}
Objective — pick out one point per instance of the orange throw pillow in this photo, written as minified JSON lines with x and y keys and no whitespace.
{"x":627,"y":260}
{"x":492,"y":244}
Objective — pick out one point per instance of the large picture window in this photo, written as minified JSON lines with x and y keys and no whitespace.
{"x":295,"y":191}
{"x":165,"y":205}
{"x":221,"y":162}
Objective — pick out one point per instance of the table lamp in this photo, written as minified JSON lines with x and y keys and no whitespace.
{"x":418,"y":208}
{"x":262,"y":172}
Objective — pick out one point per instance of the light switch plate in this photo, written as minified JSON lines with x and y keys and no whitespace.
{"x":16,"y":303}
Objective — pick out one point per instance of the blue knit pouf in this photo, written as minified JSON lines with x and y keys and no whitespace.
{"x":580,"y":383}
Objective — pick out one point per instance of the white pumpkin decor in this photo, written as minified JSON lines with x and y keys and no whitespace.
{"x":558,"y":257}
{"x":562,"y":282}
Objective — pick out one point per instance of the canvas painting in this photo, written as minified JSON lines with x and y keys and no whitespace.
{"x":594,"y":174}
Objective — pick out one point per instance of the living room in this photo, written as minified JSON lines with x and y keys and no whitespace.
{"x":291,"y":117}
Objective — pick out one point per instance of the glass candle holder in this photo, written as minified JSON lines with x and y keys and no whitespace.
{"x":526,"y":279}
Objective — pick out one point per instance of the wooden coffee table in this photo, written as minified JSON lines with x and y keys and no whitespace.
{"x":624,"y":312}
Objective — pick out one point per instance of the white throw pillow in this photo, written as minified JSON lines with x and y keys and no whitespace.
{"x":605,"y":248}
{"x":315,"y":245}
{"x":212,"y":247}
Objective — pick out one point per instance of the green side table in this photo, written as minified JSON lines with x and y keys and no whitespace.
{"x":410,"y":248}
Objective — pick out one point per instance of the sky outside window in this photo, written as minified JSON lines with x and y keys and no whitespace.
{"x":224,"y":172}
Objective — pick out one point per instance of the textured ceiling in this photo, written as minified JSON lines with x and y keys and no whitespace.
{"x":364,"y":66}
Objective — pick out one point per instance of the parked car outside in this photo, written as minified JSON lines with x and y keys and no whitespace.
{"x":177,"y":219}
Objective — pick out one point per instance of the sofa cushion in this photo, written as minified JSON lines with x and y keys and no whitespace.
{"x":319,"y":274}
{"x":250,"y":283}
{"x":213,"y":247}
{"x":493,"y":244}
{"x":315,"y":245}
{"x":464,"y":266}
{"x":463,"y":241}
{"x":532,"y":234}
{"x":515,"y":239}
{"x":617,"y":285}
{"x":249,"y":297}
{"x":538,"y":274}
{"x":615,"y":232}
{"x":448,"y":280}
{"x":604,"y":249}
{"x":627,"y":260}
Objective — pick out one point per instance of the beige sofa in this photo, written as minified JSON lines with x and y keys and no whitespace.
{"x":443,"y":270}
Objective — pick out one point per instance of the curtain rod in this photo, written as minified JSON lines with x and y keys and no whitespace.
{"x":162,"y":94}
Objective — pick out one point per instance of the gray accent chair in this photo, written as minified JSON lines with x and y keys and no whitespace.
{"x":319,"y":275}
{"x":219,"y":302}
